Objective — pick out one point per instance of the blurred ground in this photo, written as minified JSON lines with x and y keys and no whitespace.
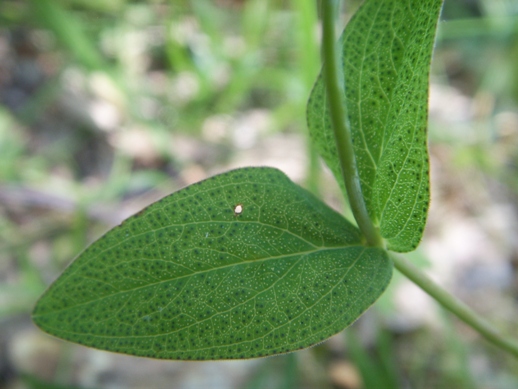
{"x":107,"y":106}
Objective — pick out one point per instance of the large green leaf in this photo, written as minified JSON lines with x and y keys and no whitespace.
{"x":195,"y":276}
{"x":387,"y":47}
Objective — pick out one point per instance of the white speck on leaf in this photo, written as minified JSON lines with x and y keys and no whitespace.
{"x":238,"y":209}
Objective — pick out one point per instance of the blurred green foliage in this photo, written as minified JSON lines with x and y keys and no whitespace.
{"x":78,"y":78}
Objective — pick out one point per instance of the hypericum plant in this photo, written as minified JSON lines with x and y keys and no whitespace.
{"x":248,"y":264}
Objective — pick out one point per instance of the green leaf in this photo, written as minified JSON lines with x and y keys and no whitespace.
{"x":191,"y":277}
{"x":387,"y":48}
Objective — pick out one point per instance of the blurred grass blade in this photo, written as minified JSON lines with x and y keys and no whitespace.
{"x":376,"y":369}
{"x":291,"y":372}
{"x":242,"y":265}
{"x":479,"y":28}
{"x":69,"y":30}
{"x":34,"y":382}
{"x":99,"y":5}
{"x":387,"y":48}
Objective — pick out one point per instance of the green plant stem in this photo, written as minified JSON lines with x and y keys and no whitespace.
{"x":458,"y":308}
{"x":335,"y":90}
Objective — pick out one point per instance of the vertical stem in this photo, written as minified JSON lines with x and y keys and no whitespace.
{"x":335,"y":90}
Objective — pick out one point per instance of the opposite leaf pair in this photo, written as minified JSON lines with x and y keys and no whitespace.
{"x":191,"y":278}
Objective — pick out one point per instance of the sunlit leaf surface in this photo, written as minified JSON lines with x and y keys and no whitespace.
{"x":387,"y":47}
{"x":242,"y":265}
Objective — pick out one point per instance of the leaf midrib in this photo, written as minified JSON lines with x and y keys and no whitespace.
{"x":415,"y":127}
{"x":234,"y":307}
{"x":360,"y":102}
{"x":133,"y":290}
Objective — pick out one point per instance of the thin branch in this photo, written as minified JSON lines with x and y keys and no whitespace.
{"x":452,"y":304}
